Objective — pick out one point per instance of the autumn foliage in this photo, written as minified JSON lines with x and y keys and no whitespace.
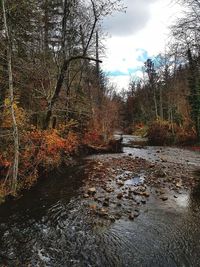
{"x":92,"y":137}
{"x":162,"y":132}
{"x":44,"y":148}
{"x":39,"y":149}
{"x":21,"y":116}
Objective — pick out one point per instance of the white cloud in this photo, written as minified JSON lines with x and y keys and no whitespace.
{"x":120,"y":82}
{"x":124,"y":50}
{"x":135,"y":18}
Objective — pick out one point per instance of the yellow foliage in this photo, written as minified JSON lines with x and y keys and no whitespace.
{"x":20,"y":114}
{"x":64,"y":128}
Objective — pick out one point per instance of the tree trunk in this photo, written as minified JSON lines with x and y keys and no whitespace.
{"x":161,"y":103}
{"x":65,"y":67}
{"x":198,"y":127}
{"x":155,"y":102}
{"x":11,"y":93}
{"x":46,"y":27}
{"x":97,"y":55}
{"x":3,"y":85}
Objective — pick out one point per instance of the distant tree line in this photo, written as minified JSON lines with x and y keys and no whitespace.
{"x":170,"y":89}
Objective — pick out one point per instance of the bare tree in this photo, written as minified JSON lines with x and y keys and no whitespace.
{"x":93,"y":13}
{"x":11,"y":94}
{"x":187,"y":33}
{"x":152,"y":75}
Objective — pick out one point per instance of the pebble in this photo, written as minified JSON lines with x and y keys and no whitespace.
{"x":163,"y":159}
{"x":120,"y":183}
{"x":118,"y":216}
{"x":106,"y":204}
{"x":119,"y":195}
{"x":179,"y":184}
{"x":152,"y":165}
{"x":161,"y":192}
{"x":161,"y":173}
{"x":102,"y":212}
{"x":136,"y":214}
{"x":93,"y":206}
{"x":112,"y":218}
{"x":131,"y":216}
{"x":109,"y":190}
{"x":146,"y":194}
{"x":164,"y":198}
{"x":92,"y":190}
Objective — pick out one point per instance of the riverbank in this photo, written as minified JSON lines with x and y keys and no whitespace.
{"x":55,"y":155}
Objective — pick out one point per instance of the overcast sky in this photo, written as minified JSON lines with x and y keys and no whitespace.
{"x":136,"y":35}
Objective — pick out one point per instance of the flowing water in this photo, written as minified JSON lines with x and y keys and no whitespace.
{"x":51,"y":226}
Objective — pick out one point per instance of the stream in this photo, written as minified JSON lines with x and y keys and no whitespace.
{"x":51,"y":224}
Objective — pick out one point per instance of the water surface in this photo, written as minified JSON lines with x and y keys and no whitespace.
{"x":51,"y":225}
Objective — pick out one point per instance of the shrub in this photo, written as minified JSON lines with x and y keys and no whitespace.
{"x":21,"y":116}
{"x":43,"y":148}
{"x":186,"y":136}
{"x":92,"y":137}
{"x":161,"y":133}
{"x":164,"y":133}
{"x":140,"y":130}
{"x":46,"y":149}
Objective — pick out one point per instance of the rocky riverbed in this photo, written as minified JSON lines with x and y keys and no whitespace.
{"x":121,"y":187}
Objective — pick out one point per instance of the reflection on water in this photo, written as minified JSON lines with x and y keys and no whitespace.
{"x":183,"y":200}
{"x":51,"y":226}
{"x":136,"y":180}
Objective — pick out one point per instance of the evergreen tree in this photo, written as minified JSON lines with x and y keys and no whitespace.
{"x":194,"y":97}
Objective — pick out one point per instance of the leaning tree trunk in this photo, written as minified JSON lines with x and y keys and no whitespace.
{"x":66,"y":64}
{"x":11,"y":94}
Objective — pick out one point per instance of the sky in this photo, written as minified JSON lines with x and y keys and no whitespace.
{"x":140,"y":33}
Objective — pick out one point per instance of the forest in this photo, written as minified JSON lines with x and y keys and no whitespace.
{"x":55,"y":98}
{"x":91,"y":175}
{"x":167,"y":99}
